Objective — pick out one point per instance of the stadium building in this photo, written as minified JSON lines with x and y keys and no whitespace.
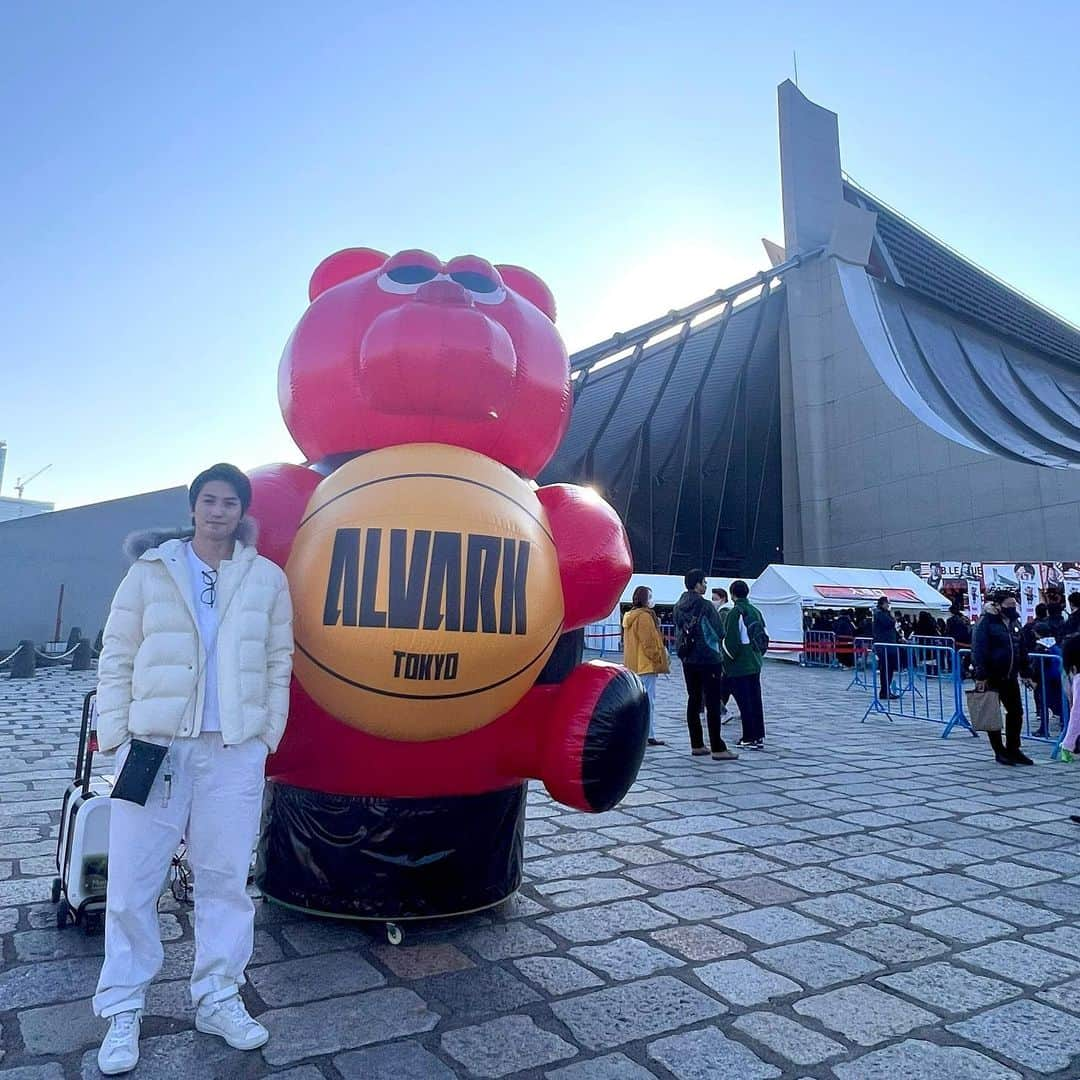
{"x":871,"y":397}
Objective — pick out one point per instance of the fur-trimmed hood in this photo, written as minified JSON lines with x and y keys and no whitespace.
{"x":138,"y":543}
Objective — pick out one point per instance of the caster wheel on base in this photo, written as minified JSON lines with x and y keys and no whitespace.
{"x":57,"y":889}
{"x":394,"y":934}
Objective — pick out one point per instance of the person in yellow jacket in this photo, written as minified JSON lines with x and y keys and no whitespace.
{"x":644,"y":651}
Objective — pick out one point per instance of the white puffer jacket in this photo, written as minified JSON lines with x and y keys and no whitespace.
{"x":152,"y":670}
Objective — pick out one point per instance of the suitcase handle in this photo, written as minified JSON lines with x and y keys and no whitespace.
{"x":85,"y":756}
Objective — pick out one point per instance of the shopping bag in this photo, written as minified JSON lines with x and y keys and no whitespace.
{"x":984,"y":710}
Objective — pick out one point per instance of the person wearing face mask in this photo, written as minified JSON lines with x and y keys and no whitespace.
{"x":999,"y":659}
{"x":644,"y":651}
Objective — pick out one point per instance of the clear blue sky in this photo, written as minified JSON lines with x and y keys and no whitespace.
{"x":173,"y":174}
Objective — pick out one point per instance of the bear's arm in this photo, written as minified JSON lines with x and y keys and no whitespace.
{"x":594,"y":553}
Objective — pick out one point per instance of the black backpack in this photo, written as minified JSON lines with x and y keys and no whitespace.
{"x":758,"y":635}
{"x":687,"y":639}
{"x":755,"y":631}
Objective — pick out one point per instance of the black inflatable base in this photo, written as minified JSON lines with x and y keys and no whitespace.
{"x":353,"y":856}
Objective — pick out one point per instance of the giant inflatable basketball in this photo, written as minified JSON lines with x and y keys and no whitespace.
{"x":442,"y":599}
{"x":439,"y":594}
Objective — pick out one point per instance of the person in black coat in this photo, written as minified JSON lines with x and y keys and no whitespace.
{"x":698,"y":623}
{"x":1040,"y":640}
{"x":1072,"y":623}
{"x":885,"y":640}
{"x":999,"y":660}
{"x":958,"y":627}
{"x":845,"y":639}
{"x":1055,"y":617}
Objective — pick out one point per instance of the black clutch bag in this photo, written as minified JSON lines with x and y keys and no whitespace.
{"x":137,"y":776}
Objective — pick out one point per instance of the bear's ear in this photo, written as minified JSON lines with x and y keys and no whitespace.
{"x":526,"y":283}
{"x":339,"y":267}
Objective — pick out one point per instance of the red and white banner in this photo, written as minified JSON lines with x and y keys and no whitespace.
{"x":870,"y":592}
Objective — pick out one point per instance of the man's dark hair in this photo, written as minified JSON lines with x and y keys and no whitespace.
{"x":228,"y":474}
{"x":1074,"y":599}
{"x":882,"y":601}
{"x":1070,"y":653}
{"x":692,"y":578}
{"x":740,"y":590}
{"x":999,"y":596}
{"x":1041,"y":611}
{"x":720,"y":593}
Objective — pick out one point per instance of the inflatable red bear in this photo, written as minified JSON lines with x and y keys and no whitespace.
{"x":376,"y":814}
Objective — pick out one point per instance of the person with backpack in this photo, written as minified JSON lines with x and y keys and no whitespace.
{"x":745,"y":643}
{"x":698,"y":633}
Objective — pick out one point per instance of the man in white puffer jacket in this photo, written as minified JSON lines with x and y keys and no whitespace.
{"x":196,"y":656}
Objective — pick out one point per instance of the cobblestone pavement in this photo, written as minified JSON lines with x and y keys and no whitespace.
{"x":858,"y":902}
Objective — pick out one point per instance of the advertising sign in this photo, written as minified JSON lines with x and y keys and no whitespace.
{"x":974,"y":599}
{"x":858,"y":593}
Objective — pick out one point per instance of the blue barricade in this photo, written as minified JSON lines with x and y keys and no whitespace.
{"x":905,"y":682}
{"x":928,"y":653}
{"x":863,"y":674}
{"x":1046,"y":705}
{"x":924,"y":681}
{"x":604,"y":638}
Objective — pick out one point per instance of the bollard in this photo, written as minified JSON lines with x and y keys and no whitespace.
{"x":73,"y":638}
{"x":80,"y":661}
{"x":98,"y":640}
{"x":23,"y":663}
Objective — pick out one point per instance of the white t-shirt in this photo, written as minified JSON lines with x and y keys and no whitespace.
{"x":205,"y":599}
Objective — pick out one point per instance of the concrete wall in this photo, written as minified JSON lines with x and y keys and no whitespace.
{"x":80,"y":549}
{"x":10,"y":508}
{"x":865,"y":482}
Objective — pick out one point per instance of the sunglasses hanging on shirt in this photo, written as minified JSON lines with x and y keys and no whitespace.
{"x":209,"y":594}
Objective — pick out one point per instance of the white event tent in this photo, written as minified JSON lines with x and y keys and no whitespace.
{"x":782,"y":593}
{"x":666,"y":589}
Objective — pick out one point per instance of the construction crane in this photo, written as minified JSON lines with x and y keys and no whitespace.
{"x":21,"y":483}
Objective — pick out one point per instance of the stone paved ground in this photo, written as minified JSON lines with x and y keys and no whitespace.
{"x":860,"y":902}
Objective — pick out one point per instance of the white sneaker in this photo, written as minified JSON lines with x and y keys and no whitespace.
{"x":231,"y":1021}
{"x":119,"y":1051}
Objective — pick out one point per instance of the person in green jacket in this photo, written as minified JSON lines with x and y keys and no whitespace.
{"x":744,"y":645}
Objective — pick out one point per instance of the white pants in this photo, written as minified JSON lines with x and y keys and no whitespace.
{"x":649,"y":682}
{"x":215,"y":801}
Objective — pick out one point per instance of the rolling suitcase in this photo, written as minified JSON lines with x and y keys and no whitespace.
{"x":82,"y":850}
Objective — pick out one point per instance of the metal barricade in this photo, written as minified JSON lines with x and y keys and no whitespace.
{"x":863,"y":673}
{"x":901,"y":686}
{"x":939,"y":664}
{"x":913,"y":690}
{"x":819,"y":649}
{"x":603,"y":638}
{"x":1045,"y":701}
